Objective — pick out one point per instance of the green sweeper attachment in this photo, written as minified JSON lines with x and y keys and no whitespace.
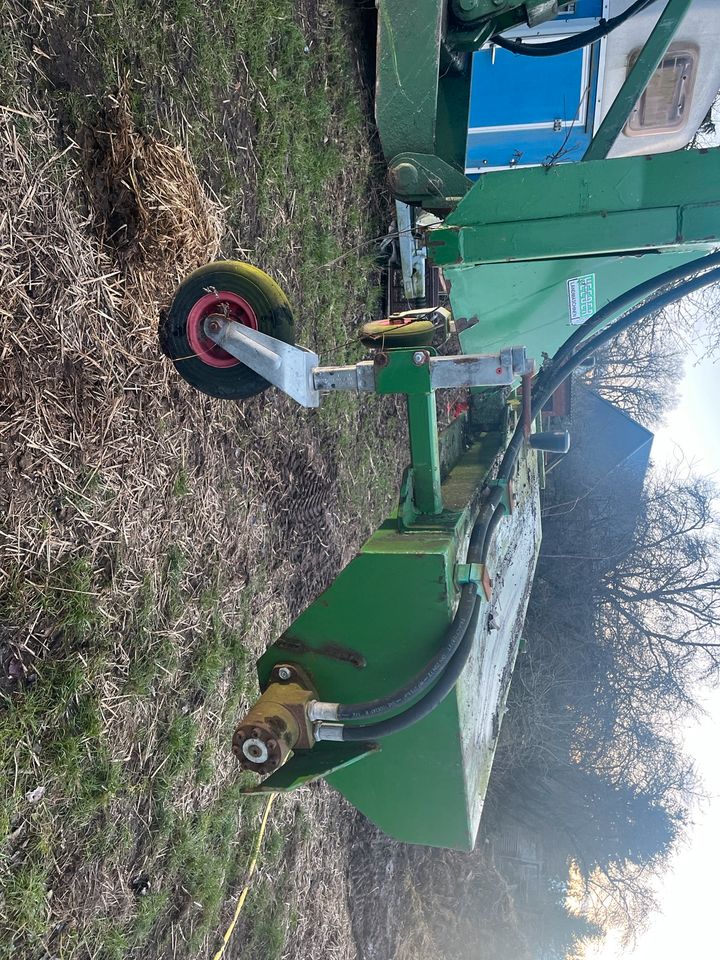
{"x":392,"y":684}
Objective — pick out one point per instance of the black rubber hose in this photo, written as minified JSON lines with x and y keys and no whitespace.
{"x":429,"y":673}
{"x":426,"y":704}
{"x":480,"y":528}
{"x":633,"y":296}
{"x":491,"y":512}
{"x":480,"y":539}
{"x":459,"y":635}
{"x":568,"y":44}
{"x":497,"y":516}
{"x":558,"y":374}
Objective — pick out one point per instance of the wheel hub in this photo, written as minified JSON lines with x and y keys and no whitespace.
{"x":223,"y":303}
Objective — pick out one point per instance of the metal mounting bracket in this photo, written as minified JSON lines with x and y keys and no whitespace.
{"x":507,"y":495}
{"x":287,"y":367}
{"x":412,"y":253}
{"x":477,"y":574}
{"x":296,"y":370}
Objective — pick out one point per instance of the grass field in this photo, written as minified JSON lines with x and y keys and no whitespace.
{"x":153,"y":541}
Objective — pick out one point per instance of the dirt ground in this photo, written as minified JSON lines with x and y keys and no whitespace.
{"x":152,"y":540}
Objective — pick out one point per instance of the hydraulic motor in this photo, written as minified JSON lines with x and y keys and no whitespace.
{"x":277,"y":723}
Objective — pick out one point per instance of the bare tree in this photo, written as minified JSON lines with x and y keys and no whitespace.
{"x":696,"y":323}
{"x":622,"y":899}
{"x":589,"y":755}
{"x":639,"y":371}
{"x":664,"y":593}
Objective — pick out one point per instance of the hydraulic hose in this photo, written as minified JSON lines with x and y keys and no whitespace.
{"x":455,"y":653}
{"x":427,"y":703}
{"x":497,"y":516}
{"x":557,"y":374}
{"x":459,"y":636}
{"x":633,"y":296}
{"x":480,"y":539}
{"x":568,"y":44}
{"x":429,"y":673}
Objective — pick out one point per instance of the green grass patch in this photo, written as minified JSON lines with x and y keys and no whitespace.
{"x":70,"y":599}
{"x":272,"y":116}
{"x":269,"y":921}
{"x":181,"y":484}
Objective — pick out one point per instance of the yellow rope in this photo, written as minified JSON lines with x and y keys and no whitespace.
{"x":251,"y":870}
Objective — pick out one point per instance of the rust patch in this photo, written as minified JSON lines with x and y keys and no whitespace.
{"x":344,"y":654}
{"x":464,"y":323}
{"x":277,"y":724}
{"x":333,"y":651}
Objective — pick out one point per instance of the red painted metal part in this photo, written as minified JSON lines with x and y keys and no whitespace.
{"x":229,"y":305}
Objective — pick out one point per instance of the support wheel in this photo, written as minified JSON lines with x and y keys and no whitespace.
{"x":240,"y":292}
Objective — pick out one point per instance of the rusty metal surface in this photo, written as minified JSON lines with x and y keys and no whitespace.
{"x":332,"y":650}
{"x":277,"y":723}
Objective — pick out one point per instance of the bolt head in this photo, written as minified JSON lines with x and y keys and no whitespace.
{"x":420,"y":357}
{"x":404,"y":177}
{"x":284,"y":673}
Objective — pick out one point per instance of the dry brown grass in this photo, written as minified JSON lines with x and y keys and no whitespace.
{"x":140,"y":521}
{"x":94,"y":431}
{"x":148,"y":205}
{"x":412,"y":902}
{"x":462,"y":907}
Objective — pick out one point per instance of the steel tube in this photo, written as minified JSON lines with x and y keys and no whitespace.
{"x":231,"y":338}
{"x":359,"y":378}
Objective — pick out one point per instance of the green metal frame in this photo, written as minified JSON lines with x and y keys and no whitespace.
{"x":527,"y":301}
{"x":423,"y":86}
{"x":424,"y":452}
{"x":309,"y":765}
{"x":400,"y":374}
{"x":427,"y":179}
{"x":408,"y":70}
{"x":501,"y":14}
{"x":423,"y":90}
{"x":630,"y":205}
{"x":512,"y":246}
{"x":381,"y":620}
{"x":373,"y":629}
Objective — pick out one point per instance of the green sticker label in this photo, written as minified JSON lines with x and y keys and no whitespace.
{"x":581,"y":298}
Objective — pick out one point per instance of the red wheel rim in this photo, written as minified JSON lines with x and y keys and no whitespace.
{"x":229,"y":305}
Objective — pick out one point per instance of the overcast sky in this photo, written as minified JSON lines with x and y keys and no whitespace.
{"x":688,"y":924}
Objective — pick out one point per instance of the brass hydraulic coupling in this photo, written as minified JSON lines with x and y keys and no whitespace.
{"x":277,"y":723}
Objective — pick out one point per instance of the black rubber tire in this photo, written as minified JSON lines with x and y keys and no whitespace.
{"x":274,"y":318}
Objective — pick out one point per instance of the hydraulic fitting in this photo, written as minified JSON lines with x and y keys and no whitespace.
{"x":277,"y":723}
